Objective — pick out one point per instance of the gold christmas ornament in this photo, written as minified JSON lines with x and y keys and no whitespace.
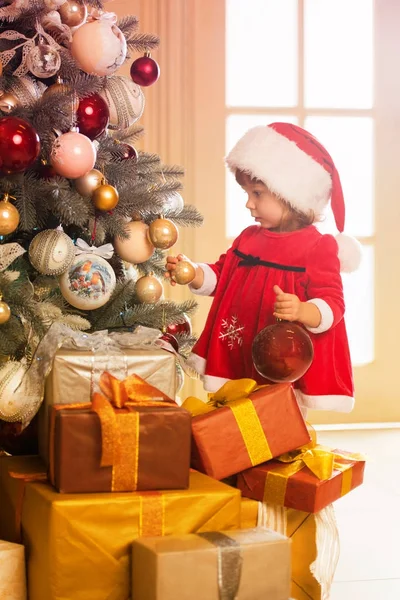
{"x":8,"y":102}
{"x":163,"y":233}
{"x":136,"y":248}
{"x":148,"y":289}
{"x":86,"y":184}
{"x":9,"y":216}
{"x":105,"y":197}
{"x":73,"y":13}
{"x":62,"y":88}
{"x":51,"y":252}
{"x":5,"y":312}
{"x":184,"y":272}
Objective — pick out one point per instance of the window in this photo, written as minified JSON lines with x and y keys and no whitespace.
{"x":297,"y":61}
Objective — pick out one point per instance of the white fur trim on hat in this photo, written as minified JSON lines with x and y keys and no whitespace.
{"x":209,"y":283}
{"x":350,"y":253}
{"x":279,"y":163}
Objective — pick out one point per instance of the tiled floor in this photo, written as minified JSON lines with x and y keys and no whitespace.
{"x":368,"y":518}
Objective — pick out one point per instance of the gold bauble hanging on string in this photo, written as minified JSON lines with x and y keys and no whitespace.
{"x":9,"y":216}
{"x":5,"y":311}
{"x":8,"y":102}
{"x":136,"y":247}
{"x":73,"y":13}
{"x":163,"y":233}
{"x":105,"y":197}
{"x":63,"y":88}
{"x":148,"y":289}
{"x":86,"y":184}
{"x":184,"y":272}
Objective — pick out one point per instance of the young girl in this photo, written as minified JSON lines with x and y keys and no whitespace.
{"x":283,"y":267}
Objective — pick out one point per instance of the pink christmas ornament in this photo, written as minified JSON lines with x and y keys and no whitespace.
{"x":72,"y":155}
{"x":99,"y":47}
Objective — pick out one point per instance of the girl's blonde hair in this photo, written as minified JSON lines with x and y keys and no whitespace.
{"x":292,"y":218}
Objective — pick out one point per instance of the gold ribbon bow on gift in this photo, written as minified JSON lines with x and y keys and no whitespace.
{"x":235,"y":396}
{"x":322,"y":462}
{"x":119,"y":430}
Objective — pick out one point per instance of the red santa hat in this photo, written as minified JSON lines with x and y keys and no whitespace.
{"x":296,"y":166}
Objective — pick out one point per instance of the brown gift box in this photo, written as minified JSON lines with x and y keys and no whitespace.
{"x":218,"y":445}
{"x":75,"y":371}
{"x":157,"y":457}
{"x":303,"y":490}
{"x":245,"y":565}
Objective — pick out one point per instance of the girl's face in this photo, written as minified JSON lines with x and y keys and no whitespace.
{"x":265,"y":207}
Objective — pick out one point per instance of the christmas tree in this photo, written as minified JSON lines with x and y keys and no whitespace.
{"x":85,"y":219}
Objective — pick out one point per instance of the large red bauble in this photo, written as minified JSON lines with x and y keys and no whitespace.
{"x":180,"y":328}
{"x":19,"y":145}
{"x":282,"y":352}
{"x":145,"y":71}
{"x":93,"y":116}
{"x":17,"y":441}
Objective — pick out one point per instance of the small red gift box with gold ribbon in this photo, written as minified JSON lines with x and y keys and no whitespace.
{"x":131,"y":437}
{"x":243,"y":425}
{"x":307,"y":479}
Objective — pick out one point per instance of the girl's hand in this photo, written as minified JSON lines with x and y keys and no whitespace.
{"x":171,"y":265}
{"x":290,"y":308}
{"x":287,"y":306}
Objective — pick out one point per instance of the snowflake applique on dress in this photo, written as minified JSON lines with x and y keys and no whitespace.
{"x":231,"y":331}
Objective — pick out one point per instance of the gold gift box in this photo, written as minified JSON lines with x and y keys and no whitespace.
{"x":250,"y":564}
{"x":301,"y":529}
{"x":75,"y":372}
{"x":79,"y":546}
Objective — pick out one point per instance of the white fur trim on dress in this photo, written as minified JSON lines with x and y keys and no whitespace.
{"x":279,"y":163}
{"x":211,"y":383}
{"x":330,"y":402}
{"x":197,"y":363}
{"x":326,"y":316}
{"x":209,"y":283}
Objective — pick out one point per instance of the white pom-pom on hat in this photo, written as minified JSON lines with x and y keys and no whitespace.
{"x":350,"y":253}
{"x":297,"y":167}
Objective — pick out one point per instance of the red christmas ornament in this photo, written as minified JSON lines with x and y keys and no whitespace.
{"x":179,"y":328}
{"x":17,"y":441}
{"x":128,"y":152}
{"x":93,"y":116}
{"x":145,"y":71}
{"x":171,"y":339}
{"x":282,"y":352}
{"x":19,"y":145}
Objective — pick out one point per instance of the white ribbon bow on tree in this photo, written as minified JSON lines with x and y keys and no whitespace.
{"x":106,"y":251}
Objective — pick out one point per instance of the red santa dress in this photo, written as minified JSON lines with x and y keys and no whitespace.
{"x":302,"y":262}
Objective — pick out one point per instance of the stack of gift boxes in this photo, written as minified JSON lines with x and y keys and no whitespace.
{"x":128,"y":502}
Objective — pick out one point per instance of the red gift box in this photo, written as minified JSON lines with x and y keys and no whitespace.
{"x":243,"y":426}
{"x":293,"y":484}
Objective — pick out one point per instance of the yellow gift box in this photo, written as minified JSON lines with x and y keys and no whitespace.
{"x":301,"y":528}
{"x":79,"y":546}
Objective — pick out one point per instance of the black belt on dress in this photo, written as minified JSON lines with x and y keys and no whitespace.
{"x":248,"y":260}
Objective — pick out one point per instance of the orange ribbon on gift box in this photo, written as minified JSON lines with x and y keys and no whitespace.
{"x":235,"y":396}
{"x":119,"y":429}
{"x":320,"y":460}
